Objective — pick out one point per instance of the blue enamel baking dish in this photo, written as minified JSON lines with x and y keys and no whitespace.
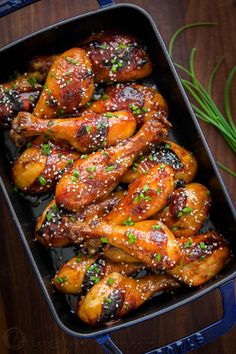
{"x":186,"y":132}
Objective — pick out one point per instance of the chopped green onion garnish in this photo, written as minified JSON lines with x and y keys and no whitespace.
{"x":105,"y":97}
{"x":158,"y":257}
{"x":108,"y":114}
{"x":108,"y":301}
{"x":48,"y":216}
{"x":110,"y":168}
{"x":202,"y":245}
{"x":88,"y":129}
{"x":128,"y":222}
{"x":156,"y":227}
{"x":72,"y":61}
{"x":189,"y":243}
{"x":42,"y":180}
{"x":46,"y":149}
{"x":32,"y":80}
{"x":70,"y":162}
{"x":94,"y":278}
{"x":110,"y":281}
{"x":161,"y":166}
{"x":131,"y":237}
{"x":61,"y":280}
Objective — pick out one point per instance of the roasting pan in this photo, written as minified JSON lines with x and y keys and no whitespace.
{"x":186,"y":131}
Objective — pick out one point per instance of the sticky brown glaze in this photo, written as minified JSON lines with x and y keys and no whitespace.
{"x":86,"y":133}
{"x":149,"y":241}
{"x":20,"y":94}
{"x":115,"y":57}
{"x":100,"y":173}
{"x":138,"y":99}
{"x":187,"y":210}
{"x":42,"y":64}
{"x":12,"y":102}
{"x":81,"y":273}
{"x":27,"y":82}
{"x":41,"y":165}
{"x":146,"y":194}
{"x":69,"y":85}
{"x":118,"y":57}
{"x":203,"y":256}
{"x":52,"y":226}
{"x":52,"y":229}
{"x":117,"y":295}
{"x":181,"y":160}
{"x":115,"y":254}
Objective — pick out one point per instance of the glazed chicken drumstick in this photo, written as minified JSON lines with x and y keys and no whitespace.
{"x":149,"y":241}
{"x":80,"y":273}
{"x":184,"y":214}
{"x":85,"y":133}
{"x":41,"y":165}
{"x":203,"y":256}
{"x":12,"y":102}
{"x":69,"y":85}
{"x":138,"y":99}
{"x":117,"y":57}
{"x":146,"y":194}
{"x":116,"y":295}
{"x":41,"y":64}
{"x":181,"y":160}
{"x":97,"y":176}
{"x":20,"y":94}
{"x":52,"y":228}
{"x":186,"y":210}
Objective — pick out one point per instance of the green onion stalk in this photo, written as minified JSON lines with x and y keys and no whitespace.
{"x":206,"y":108}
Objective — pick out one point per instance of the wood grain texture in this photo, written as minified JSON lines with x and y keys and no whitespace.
{"x":26,"y":324}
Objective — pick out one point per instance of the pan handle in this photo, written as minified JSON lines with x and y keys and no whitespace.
{"x":105,"y":3}
{"x":194,"y":340}
{"x":8,"y":6}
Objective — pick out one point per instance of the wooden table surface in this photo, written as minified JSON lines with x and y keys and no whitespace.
{"x":26,"y":324}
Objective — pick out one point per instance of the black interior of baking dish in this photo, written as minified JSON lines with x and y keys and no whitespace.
{"x":185,"y":131}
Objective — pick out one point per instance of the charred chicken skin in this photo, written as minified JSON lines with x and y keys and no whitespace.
{"x":96,"y":177}
{"x":82,"y":272}
{"x":12,"y":102}
{"x":187,"y":210}
{"x":41,"y":165}
{"x":116,"y":295}
{"x":52,"y":229}
{"x":149,"y":241}
{"x":167,"y":152}
{"x":118,"y":57}
{"x":86,"y":133}
{"x":27,"y":82}
{"x":138,"y":99}
{"x":18,"y":95}
{"x":203,"y":256}
{"x":69,"y":85}
{"x":115,"y":57}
